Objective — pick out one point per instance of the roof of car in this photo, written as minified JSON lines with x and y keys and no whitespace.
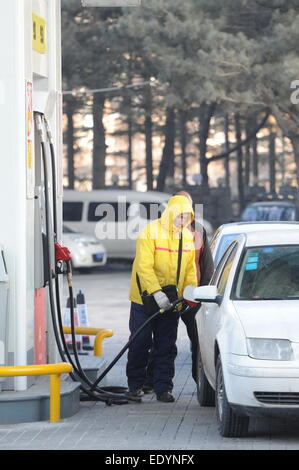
{"x":105,"y":195}
{"x":269,"y":237}
{"x":245,"y":227}
{"x":274,"y":202}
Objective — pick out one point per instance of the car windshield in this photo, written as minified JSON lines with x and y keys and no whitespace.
{"x":268,"y":273}
{"x":266,"y":212}
{"x":223,"y":245}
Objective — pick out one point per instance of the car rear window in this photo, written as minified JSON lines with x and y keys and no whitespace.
{"x":266,"y":212}
{"x":72,"y":211}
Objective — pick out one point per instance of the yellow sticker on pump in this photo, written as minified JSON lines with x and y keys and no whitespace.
{"x":39,"y":40}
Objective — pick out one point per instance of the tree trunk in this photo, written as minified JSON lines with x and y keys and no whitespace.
{"x":227,"y":147}
{"x":99,"y":144}
{"x":148,"y":129}
{"x":247,"y":157}
{"x":255,"y":156}
{"x":130,"y":143}
{"x":295,"y":143}
{"x":255,"y":162}
{"x":168,"y":151}
{"x":183,"y":142}
{"x":130,"y":152}
{"x":70,"y":142}
{"x":283,"y":161}
{"x":206,"y":112}
{"x":239,"y":161}
{"x":171,"y":168}
{"x":272,"y":158}
{"x":128,"y":98}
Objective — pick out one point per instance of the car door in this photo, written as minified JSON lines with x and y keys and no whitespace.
{"x":212,"y":313}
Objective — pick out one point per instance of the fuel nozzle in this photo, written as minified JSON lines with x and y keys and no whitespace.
{"x":173,"y":306}
{"x":63,"y":261}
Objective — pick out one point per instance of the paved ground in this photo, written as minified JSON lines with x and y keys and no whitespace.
{"x":152,"y":425}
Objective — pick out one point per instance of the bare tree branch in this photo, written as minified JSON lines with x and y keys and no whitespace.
{"x":243,"y":142}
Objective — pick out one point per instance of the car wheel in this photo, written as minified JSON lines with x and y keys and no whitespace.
{"x":230,"y":424}
{"x":205,"y":393}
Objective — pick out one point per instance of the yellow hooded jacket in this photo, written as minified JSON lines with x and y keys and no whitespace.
{"x":157,"y":250}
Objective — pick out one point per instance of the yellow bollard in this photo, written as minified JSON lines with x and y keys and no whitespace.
{"x":98,"y":342}
{"x":54,"y":398}
{"x":54,"y":370}
{"x":99,"y":333}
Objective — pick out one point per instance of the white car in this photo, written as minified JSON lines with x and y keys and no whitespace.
{"x":86,"y":250}
{"x":114,"y":216}
{"x":226,"y":233}
{"x":248,"y":361}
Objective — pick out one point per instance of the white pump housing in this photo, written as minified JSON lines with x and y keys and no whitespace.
{"x":30,"y":49}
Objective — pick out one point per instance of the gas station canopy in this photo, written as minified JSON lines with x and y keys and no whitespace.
{"x":111,"y":3}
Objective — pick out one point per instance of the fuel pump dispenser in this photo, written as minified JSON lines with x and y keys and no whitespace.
{"x":30,"y":82}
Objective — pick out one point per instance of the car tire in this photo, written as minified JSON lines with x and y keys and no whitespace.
{"x":205,"y":393}
{"x":230,"y":424}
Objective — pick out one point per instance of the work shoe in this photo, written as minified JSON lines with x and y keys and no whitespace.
{"x":134,"y":395}
{"x":166,"y":397}
{"x":147,"y":389}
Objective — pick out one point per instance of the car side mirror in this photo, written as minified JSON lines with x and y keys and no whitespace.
{"x":208,"y":294}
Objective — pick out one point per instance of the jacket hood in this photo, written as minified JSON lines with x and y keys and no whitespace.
{"x":176,"y":205}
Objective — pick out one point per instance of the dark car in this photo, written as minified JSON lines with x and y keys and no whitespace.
{"x":283,"y":210}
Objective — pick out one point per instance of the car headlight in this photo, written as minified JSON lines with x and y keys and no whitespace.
{"x":270,"y":349}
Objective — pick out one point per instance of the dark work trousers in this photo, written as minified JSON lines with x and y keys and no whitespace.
{"x":159,"y":335}
{"x":189,"y":319}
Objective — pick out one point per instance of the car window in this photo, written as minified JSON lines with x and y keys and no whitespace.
{"x":221,"y":264}
{"x":268,"y":273}
{"x":110,"y":211}
{"x":224,"y":243}
{"x":72,"y":211}
{"x":214,"y":241}
{"x":221,"y":284}
{"x":264,"y":212}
